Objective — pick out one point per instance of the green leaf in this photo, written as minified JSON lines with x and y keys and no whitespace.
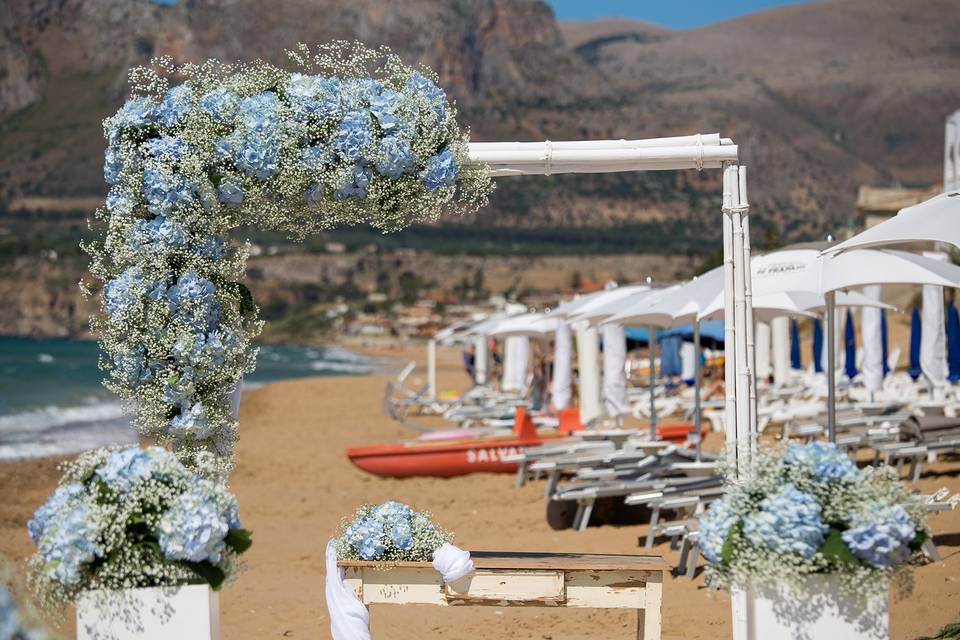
{"x":835,"y":549}
{"x":726,"y":552}
{"x":918,"y":541}
{"x":949,"y":632}
{"x":247,"y":305}
{"x":214,"y":576}
{"x":239,"y":539}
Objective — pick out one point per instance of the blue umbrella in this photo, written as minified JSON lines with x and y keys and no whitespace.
{"x":953,"y":343}
{"x":850,"y":348}
{"x":883,"y":341}
{"x":711,"y":333}
{"x":817,"y":347}
{"x":670,"y":364}
{"x":795,"y":345}
{"x":915,"y":330}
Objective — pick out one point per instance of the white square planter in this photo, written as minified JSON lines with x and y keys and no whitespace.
{"x":816,"y":611}
{"x":191,"y":612}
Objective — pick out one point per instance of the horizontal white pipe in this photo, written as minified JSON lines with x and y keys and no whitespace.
{"x":610,"y":156}
{"x":706,"y":139}
{"x":529,"y":169}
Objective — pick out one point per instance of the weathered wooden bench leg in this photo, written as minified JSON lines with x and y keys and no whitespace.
{"x":648,"y":618}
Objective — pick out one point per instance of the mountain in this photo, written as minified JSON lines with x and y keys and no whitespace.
{"x":820,"y":97}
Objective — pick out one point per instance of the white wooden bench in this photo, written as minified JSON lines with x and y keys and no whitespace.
{"x":504,"y":579}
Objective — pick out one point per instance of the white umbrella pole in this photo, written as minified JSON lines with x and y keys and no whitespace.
{"x":744,"y":409}
{"x":748,"y":313}
{"x":588,"y":355}
{"x":652,"y":350}
{"x":830,"y":319}
{"x":480,"y":360}
{"x":780,"y":338}
{"x":696,"y":387}
{"x":432,"y":369}
{"x":729,"y":328}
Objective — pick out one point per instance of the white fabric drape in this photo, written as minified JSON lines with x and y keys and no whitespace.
{"x":349,"y":619}
{"x":614,"y":374}
{"x":870,"y":336}
{"x":589,"y":382}
{"x":480,"y":360}
{"x":452,"y":562}
{"x":780,"y":339}
{"x":516,"y":358}
{"x":933,"y":339}
{"x":562,"y":367}
{"x":688,"y":356}
{"x":762,"y":350}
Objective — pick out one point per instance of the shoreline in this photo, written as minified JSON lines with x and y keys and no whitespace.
{"x":294,"y":484}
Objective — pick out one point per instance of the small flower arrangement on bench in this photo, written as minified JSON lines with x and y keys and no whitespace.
{"x":390,"y":532}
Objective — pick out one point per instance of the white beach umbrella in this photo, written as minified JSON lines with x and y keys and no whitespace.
{"x":768,"y":306}
{"x":607,"y":303}
{"x":561,"y":386}
{"x":934,"y":220}
{"x":531,"y":325}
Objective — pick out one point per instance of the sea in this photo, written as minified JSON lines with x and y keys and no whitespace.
{"x":52,"y":400}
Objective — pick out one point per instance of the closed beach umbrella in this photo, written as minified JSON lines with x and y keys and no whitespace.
{"x":850,"y":346}
{"x":871,"y":340}
{"x":883,"y":342}
{"x":670,"y":364}
{"x":795,"y":362}
{"x":953,"y":343}
{"x":817,"y":347}
{"x":915,"y":330}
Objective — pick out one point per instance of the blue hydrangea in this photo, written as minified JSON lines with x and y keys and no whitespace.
{"x":157,"y":290}
{"x":392,"y":510}
{"x":441,"y":170}
{"x":157,"y":235}
{"x":825,"y":461}
{"x":397,"y":160}
{"x":261,"y":113}
{"x":314,"y":157}
{"x":223,"y":148}
{"x":258,"y":155}
{"x":112,"y":165}
{"x":221,"y":104}
{"x":49,"y":510}
{"x":353,"y":135}
{"x":384,"y":108}
{"x":175,"y":106}
{"x":882,"y":536}
{"x":230,"y":192}
{"x":132,"y":366}
{"x":135,"y":113}
{"x":65,"y":534}
{"x":315,"y":96}
{"x":123,"y":291}
{"x":179,"y":390}
{"x":789,"y":521}
{"x":366,"y":538}
{"x":194,"y":298}
{"x":715,"y":527}
{"x":164,"y":193}
{"x":195,"y":525}
{"x":355,"y":186}
{"x":314,"y":193}
{"x":117,"y":201}
{"x":168,"y":146}
{"x":427,"y":89}
{"x":402,"y":534}
{"x":124,"y":468}
{"x":190,"y":422}
{"x":212,"y":248}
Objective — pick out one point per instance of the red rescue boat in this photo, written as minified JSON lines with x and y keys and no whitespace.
{"x":444,"y":458}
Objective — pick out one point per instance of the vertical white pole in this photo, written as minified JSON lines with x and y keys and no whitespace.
{"x":588,"y":356}
{"x":696,"y":388}
{"x":748,"y":300}
{"x":652,"y":351}
{"x":729,"y":326}
{"x":780,"y":338}
{"x":831,"y":320}
{"x":480,"y":360}
{"x":562,"y":365}
{"x":432,"y":369}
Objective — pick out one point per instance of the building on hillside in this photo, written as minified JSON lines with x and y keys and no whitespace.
{"x":876,"y":204}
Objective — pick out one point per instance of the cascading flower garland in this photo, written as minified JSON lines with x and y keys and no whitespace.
{"x":808,"y":509}
{"x":390,"y":532}
{"x":351,"y":136}
{"x":124,"y":518}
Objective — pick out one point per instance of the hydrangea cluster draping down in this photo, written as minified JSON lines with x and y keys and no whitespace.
{"x":353,"y":136}
{"x":130,"y":517}
{"x":805,"y":509}
{"x":389,"y":532}
{"x":13,"y":625}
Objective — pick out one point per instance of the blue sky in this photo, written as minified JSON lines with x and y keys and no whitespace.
{"x":676,"y":14}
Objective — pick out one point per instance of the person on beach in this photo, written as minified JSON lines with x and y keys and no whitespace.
{"x":470,"y":362}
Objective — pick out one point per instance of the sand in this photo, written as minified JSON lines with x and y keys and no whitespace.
{"x":294,"y":484}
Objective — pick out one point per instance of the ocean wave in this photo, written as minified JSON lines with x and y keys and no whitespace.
{"x":57,"y":431}
{"x":341,"y":367}
{"x":52,"y":416}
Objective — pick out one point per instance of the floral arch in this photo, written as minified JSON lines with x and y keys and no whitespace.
{"x":350,"y":136}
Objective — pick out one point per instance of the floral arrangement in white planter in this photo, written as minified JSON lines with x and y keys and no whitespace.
{"x":390,"y":532}
{"x":130,"y":518}
{"x":804,"y":519}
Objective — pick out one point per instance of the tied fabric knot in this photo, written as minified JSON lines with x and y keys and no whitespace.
{"x":452,"y":562}
{"x":349,"y":619}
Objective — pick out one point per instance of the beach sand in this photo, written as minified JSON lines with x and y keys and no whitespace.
{"x":294,"y":485}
